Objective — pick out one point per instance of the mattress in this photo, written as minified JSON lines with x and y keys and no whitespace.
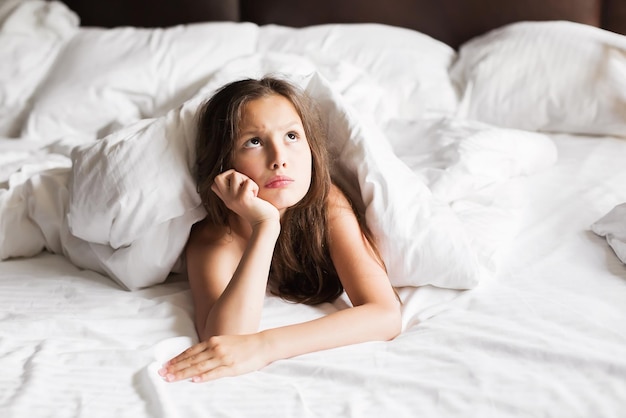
{"x":481,"y":172}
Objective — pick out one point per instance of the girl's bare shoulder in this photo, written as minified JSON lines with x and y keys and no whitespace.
{"x":207,"y":234}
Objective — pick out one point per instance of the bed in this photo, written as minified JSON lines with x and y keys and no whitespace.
{"x":484,"y":142}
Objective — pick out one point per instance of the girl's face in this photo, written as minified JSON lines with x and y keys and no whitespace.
{"x":273,"y":151}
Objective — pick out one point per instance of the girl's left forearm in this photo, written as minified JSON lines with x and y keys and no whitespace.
{"x":230,"y":355}
{"x":368,"y":322}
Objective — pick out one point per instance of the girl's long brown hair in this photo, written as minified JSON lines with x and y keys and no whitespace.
{"x":301,"y":268}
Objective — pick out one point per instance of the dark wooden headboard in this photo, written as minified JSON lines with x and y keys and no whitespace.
{"x":451,"y":21}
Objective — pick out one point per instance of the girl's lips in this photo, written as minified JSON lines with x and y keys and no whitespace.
{"x":278,"y":182}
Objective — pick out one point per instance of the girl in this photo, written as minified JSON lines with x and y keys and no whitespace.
{"x":275,"y":221}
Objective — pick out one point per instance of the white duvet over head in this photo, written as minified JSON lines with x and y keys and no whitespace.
{"x":131,"y":199}
{"x":437,"y":178}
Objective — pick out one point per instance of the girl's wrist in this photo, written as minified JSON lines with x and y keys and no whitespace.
{"x":268,"y":227}
{"x":269,"y":351}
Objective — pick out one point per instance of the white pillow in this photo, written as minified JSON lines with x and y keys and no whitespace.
{"x":457,"y":158}
{"x":411,"y":67}
{"x":133,"y":179}
{"x":477,"y":169}
{"x":421,"y":239}
{"x":31,"y":35}
{"x":545,"y":76}
{"x":145,"y":262}
{"x":140,"y":176}
{"x":133,"y":199}
{"x":130,"y":187}
{"x":33,"y":216}
{"x":107,"y":78}
{"x":32,"y":206}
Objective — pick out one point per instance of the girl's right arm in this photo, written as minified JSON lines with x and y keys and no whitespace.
{"x":228,"y":287}
{"x":227,"y":270}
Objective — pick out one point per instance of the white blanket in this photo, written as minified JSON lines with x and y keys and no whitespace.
{"x":95,"y":167}
{"x":546,"y":338}
{"x":127,"y":204}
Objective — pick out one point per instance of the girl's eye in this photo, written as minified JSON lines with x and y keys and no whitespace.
{"x":292,"y":137}
{"x":252,"y":143}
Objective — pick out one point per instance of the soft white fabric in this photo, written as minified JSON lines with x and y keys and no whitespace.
{"x":33,"y":216}
{"x":140,"y":176}
{"x":108,"y":78}
{"x":31,"y":35}
{"x":128,"y":206}
{"x":546,"y":339}
{"x":457,"y":158}
{"x":115,"y":198}
{"x":473,"y":167}
{"x":133,"y":179}
{"x":132,"y":198}
{"x":422,"y":238}
{"x":418,"y":235}
{"x":545,"y":76}
{"x":33,"y":192}
{"x":33,"y":196}
{"x":612,"y":226}
{"x":411,"y":67}
{"x":7,"y":7}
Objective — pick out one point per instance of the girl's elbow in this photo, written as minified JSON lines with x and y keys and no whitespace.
{"x":392,"y":323}
{"x":397,"y":325}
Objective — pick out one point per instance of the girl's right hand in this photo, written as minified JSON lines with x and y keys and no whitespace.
{"x":219,"y":356}
{"x":240,"y":194}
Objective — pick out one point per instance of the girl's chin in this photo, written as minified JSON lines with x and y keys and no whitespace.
{"x":283,"y":204}
{"x":282,"y":207}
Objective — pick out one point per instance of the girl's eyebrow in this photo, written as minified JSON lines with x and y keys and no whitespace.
{"x":255,"y":129}
{"x":291,"y":124}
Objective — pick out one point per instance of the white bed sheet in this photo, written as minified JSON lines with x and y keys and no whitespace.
{"x":542,"y":334}
{"x":547,"y":337}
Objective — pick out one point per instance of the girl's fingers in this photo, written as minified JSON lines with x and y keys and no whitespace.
{"x":197,"y":369}
{"x":248,"y":186}
{"x":222,"y":181}
{"x":234,"y":178}
{"x":216,"y":190}
{"x":226,"y":355}
{"x":185,"y":367}
{"x":190,"y":362}
{"x":229,"y":181}
{"x":203,"y":360}
{"x":191,"y":351}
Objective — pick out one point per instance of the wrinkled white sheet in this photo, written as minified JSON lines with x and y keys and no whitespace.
{"x":541,"y":334}
{"x":546,"y":338}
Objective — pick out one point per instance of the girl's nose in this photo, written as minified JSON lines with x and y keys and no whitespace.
{"x":278,"y":163}
{"x":278,"y":158}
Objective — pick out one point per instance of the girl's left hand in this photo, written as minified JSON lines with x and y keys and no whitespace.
{"x":219,"y":356}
